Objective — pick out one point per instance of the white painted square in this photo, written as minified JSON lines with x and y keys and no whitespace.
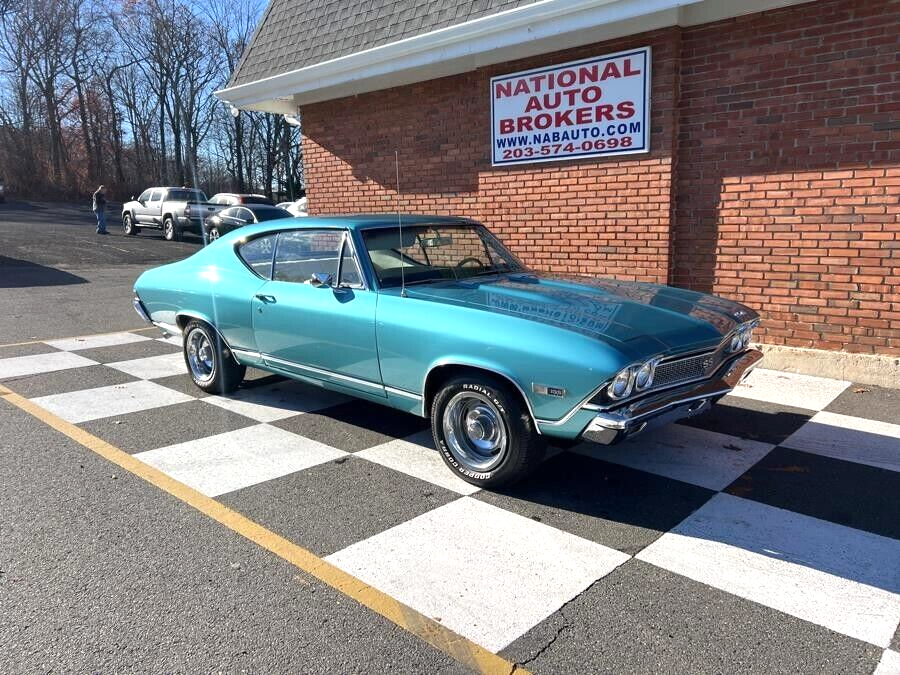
{"x":92,"y":341}
{"x":835,"y":576}
{"x":152,"y":367}
{"x":486,"y":573}
{"x":416,"y":456}
{"x":853,"y":439}
{"x":276,"y":401}
{"x":705,"y":458}
{"x":889,"y":664}
{"x":226,"y":462}
{"x":116,"y":399}
{"x":34,"y":364}
{"x":798,"y":391}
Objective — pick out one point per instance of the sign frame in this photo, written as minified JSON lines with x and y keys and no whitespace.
{"x":645,"y":131}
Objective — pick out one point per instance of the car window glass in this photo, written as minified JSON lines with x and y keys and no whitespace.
{"x":245,"y":215}
{"x":349,"y":269}
{"x":257,"y":253}
{"x":227,"y":213}
{"x":145,"y":195}
{"x":302,"y":253}
{"x":271,"y":214}
{"x":156,"y":195}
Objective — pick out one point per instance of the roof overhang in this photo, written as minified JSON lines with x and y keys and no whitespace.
{"x":538,"y":28}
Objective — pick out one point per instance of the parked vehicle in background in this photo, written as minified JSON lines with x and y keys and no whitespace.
{"x":2,"y":191}
{"x":234,"y":217}
{"x":297,"y":208}
{"x":235,"y":198}
{"x":173,"y":210}
{"x":439,"y":319}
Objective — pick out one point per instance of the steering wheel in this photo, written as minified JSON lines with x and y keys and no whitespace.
{"x":464,"y":261}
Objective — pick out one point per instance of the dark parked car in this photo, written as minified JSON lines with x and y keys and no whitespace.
{"x":234,"y":217}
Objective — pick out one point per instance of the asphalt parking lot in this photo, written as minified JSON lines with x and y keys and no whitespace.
{"x":148,"y":526}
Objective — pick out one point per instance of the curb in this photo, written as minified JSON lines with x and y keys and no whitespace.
{"x":876,"y":369}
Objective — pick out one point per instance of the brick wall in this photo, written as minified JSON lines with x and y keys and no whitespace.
{"x":772,"y":178}
{"x":609,"y":217}
{"x":789,"y":171}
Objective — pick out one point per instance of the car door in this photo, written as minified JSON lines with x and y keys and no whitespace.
{"x":153,"y":209}
{"x":140,"y":210}
{"x":322,"y":331}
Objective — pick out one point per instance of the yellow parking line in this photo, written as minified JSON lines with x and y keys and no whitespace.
{"x":34,"y":342}
{"x":463,"y":650}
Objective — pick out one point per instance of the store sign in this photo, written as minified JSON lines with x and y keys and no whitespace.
{"x":588,"y":108}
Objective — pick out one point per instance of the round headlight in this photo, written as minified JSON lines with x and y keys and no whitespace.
{"x":736,"y":342}
{"x":621,"y":386}
{"x":644,"y":376}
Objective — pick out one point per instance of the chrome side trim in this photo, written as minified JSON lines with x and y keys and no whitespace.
{"x":247,"y":353}
{"x":403,"y":393}
{"x":323,"y":372}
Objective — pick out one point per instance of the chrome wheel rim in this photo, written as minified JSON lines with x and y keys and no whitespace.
{"x":214,"y":234}
{"x":201,"y":357}
{"x":127,"y":224}
{"x":168,"y":229}
{"x":475,"y":431}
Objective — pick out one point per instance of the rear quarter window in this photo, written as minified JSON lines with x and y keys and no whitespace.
{"x":257,"y":255}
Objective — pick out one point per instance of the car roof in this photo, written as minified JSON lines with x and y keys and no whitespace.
{"x":363,"y":221}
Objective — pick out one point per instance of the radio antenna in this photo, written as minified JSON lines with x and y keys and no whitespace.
{"x":400,"y":227}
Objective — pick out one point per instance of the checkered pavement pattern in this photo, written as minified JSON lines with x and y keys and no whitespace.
{"x":767,"y":529}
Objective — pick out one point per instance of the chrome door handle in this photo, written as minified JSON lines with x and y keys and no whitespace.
{"x":268,"y":299}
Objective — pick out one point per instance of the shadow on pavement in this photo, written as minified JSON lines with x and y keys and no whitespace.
{"x":15,"y":273}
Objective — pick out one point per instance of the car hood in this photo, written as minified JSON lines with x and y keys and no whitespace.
{"x":640,"y":318}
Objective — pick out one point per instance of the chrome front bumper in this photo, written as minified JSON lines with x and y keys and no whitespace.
{"x":139,"y":308}
{"x":615,"y":425}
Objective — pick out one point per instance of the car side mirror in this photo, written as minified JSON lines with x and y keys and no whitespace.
{"x":321,"y":279}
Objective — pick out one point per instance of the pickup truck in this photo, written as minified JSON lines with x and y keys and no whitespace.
{"x":173,"y":210}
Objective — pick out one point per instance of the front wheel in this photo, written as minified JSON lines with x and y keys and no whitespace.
{"x":128,"y":225}
{"x":209,"y":361}
{"x":484,"y":431}
{"x":213,"y":233}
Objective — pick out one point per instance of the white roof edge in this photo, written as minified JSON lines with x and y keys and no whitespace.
{"x":514,"y":33}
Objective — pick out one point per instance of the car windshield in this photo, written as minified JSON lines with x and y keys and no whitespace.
{"x":436,"y":253}
{"x":186,"y":196}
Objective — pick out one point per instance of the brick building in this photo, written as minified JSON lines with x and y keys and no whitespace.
{"x":772,"y":174}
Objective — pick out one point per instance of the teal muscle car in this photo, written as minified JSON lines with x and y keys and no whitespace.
{"x":434,"y":316}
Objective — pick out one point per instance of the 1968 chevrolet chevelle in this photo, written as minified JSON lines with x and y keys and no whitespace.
{"x":436,"y":317}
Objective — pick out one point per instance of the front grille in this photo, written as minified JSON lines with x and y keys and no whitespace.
{"x":686,"y":369}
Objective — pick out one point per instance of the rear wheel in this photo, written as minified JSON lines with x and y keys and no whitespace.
{"x":209,"y":361}
{"x":484,"y":431}
{"x":170,"y":230}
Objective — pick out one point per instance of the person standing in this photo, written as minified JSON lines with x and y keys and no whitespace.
{"x":99,"y":206}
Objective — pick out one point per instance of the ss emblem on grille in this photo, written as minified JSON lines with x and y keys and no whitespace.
{"x":707,"y":363}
